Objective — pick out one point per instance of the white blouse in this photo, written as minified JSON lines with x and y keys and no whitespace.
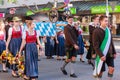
{"x":11,"y":29}
{"x":24,"y":33}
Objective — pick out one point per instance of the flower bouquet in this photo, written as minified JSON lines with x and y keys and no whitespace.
{"x":20,"y":66}
{"x":19,"y":61}
{"x":10,"y":58}
{"x":3,"y":56}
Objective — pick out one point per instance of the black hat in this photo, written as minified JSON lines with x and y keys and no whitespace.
{"x":28,"y":18}
{"x":9,"y":19}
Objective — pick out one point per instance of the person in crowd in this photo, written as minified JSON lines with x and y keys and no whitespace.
{"x":36,"y":19}
{"x":80,"y":41}
{"x":10,"y":24}
{"x":49,"y":47}
{"x":104,"y":48}
{"x":71,"y":38}
{"x":60,"y":45}
{"x":2,"y":44}
{"x":29,"y":39}
{"x":92,"y":26}
{"x":14,"y":41}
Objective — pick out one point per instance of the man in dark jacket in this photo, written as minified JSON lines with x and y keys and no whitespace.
{"x":92,"y":26}
{"x":101,"y":47}
{"x":71,"y":35}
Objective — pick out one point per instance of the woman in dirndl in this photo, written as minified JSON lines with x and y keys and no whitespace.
{"x":2,"y":44}
{"x":80,"y":41}
{"x":49,"y":47}
{"x":29,"y":39}
{"x":60,"y":46}
{"x":13,"y":42}
{"x":81,"y":45}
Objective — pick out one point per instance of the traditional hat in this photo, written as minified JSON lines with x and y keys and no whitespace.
{"x":9,"y":19}
{"x":28,"y":18}
{"x":16,"y":19}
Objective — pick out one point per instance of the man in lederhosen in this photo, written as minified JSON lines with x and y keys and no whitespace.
{"x":104,"y":48}
{"x":92,"y":26}
{"x":71,"y":35}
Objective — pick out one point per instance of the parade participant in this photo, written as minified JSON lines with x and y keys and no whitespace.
{"x":71,"y":37}
{"x":14,"y":41}
{"x":104,"y":48}
{"x":2,"y":43}
{"x":49,"y":47}
{"x":60,"y":45}
{"x":92,"y":26}
{"x":80,"y":41}
{"x":36,"y":20}
{"x":10,"y":23}
{"x":29,"y":39}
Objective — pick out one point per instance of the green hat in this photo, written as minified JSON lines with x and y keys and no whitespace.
{"x":16,"y":19}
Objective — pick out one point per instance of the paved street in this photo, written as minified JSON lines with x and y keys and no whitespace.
{"x":50,"y":69}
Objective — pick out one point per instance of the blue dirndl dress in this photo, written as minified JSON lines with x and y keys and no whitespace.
{"x":60,"y":48}
{"x":31,"y":56}
{"x":2,"y":43}
{"x":49,"y":47}
{"x":81,"y":45}
{"x":15,"y":44}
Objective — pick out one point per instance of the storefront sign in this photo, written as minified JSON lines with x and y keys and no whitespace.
{"x":2,"y":15}
{"x":117,"y":8}
{"x":100,"y":9}
{"x":73,"y":10}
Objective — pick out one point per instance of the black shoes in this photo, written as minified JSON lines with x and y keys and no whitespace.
{"x":82,"y":61}
{"x":73,"y":75}
{"x":91,"y":63}
{"x":64,"y":71}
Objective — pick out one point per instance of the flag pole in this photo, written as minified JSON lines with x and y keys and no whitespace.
{"x":107,"y":10}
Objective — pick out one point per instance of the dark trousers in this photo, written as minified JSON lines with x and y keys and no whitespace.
{"x":90,"y":52}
